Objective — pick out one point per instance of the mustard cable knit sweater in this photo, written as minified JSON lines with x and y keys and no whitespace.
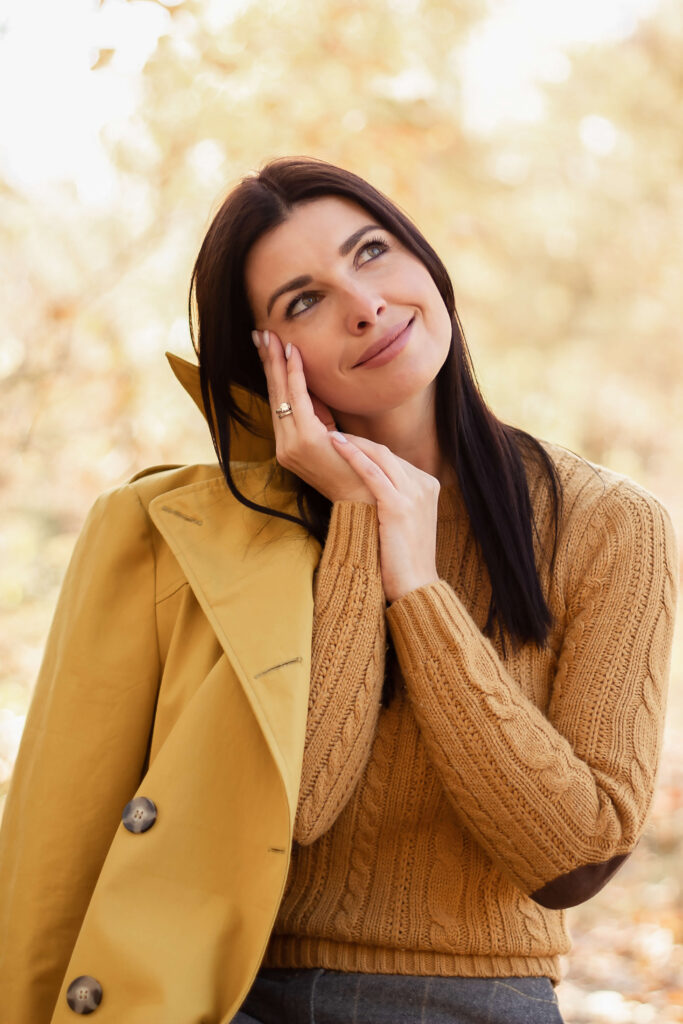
{"x":445,"y":834}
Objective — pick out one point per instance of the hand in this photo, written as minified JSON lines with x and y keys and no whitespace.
{"x":407,"y":505}
{"x":302,"y":440}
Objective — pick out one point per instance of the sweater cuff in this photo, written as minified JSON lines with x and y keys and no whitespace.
{"x":353,"y":535}
{"x":426,"y":619}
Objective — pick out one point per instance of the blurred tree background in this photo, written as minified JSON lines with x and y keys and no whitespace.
{"x":560,"y":219}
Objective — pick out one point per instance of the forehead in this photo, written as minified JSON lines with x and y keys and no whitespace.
{"x":303,"y":244}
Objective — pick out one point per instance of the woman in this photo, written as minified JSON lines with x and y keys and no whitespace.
{"x":336,"y":729}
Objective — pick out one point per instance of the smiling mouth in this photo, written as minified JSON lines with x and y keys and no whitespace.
{"x":386,"y":345}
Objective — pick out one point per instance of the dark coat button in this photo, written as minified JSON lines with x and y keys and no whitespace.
{"x":139,"y":814}
{"x":84,"y":994}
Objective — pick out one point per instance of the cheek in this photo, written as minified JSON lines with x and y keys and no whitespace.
{"x":318,"y":370}
{"x":419,"y":284}
{"x":330,"y":385}
{"x":446,"y":324}
{"x":438,"y":314}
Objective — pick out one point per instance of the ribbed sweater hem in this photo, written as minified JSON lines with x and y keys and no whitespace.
{"x":291,"y":951}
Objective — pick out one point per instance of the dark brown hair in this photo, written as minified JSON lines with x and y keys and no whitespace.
{"x":485,"y":453}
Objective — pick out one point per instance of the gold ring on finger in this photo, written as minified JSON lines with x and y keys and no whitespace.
{"x":284,"y":410}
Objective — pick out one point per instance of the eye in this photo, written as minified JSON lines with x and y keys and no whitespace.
{"x":292,"y":311}
{"x":375,"y":247}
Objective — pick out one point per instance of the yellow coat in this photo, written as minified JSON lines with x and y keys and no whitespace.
{"x":177,"y":669}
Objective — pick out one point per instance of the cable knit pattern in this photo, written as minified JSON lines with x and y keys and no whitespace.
{"x":441,"y":819}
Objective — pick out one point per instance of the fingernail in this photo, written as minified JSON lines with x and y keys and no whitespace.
{"x":266,"y":339}
{"x":255,"y":338}
{"x":338,"y":437}
{"x":288,"y":349}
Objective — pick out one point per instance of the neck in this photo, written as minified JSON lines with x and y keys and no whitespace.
{"x":409,"y":431}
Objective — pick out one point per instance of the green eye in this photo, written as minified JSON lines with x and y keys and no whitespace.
{"x":291,"y":308}
{"x":375,"y":247}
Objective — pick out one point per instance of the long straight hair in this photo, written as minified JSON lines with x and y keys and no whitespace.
{"x":485,"y":453}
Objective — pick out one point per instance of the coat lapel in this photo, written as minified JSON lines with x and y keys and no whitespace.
{"x":252,"y":575}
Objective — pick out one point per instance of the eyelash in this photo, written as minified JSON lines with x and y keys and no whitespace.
{"x":303,"y":295}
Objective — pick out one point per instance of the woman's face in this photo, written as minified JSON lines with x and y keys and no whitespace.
{"x":333,"y":282}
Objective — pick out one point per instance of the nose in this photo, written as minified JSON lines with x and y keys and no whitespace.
{"x":363,"y":308}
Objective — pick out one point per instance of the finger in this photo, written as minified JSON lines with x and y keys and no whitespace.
{"x":296,"y":380}
{"x":308,"y":406}
{"x":372,"y":474}
{"x":276,"y":378}
{"x":392,"y":466}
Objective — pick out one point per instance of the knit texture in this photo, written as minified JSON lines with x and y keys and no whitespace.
{"x":423,"y":828}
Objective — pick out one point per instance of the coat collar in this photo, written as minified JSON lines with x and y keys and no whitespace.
{"x":244,"y":446}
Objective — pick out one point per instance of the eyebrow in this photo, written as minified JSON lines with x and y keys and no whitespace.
{"x":300,"y":282}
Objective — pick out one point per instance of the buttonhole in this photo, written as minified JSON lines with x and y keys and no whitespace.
{"x":181,"y":515}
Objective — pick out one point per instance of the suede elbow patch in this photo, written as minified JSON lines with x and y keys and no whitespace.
{"x":578,"y":885}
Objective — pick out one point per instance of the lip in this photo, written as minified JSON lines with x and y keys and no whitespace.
{"x":396,"y":334}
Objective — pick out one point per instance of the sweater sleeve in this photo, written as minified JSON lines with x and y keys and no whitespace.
{"x":347,"y":667}
{"x":557,"y":800}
